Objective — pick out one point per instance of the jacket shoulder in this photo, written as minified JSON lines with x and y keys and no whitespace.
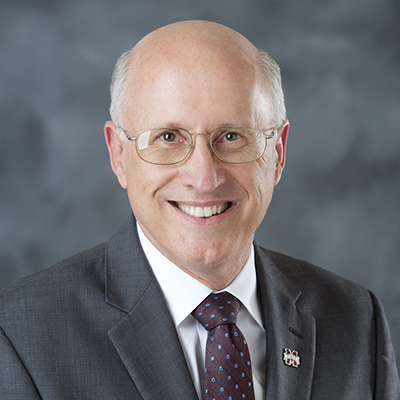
{"x":44,"y":285}
{"x":320,"y":289}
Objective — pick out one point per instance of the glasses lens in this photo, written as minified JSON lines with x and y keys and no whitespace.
{"x":163,"y":146}
{"x":238,"y":145}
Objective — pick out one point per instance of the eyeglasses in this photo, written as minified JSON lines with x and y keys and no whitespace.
{"x":168,"y":146}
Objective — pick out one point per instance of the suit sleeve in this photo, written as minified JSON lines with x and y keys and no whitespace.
{"x":15,"y":382}
{"x":387,"y":386}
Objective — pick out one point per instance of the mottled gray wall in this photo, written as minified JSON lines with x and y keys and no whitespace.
{"x":338,"y":203}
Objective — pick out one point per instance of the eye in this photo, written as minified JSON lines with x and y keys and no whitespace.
{"x":231,"y":136}
{"x":168,"y":136}
{"x":227,"y":137}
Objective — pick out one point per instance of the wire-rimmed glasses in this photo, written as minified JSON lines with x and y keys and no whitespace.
{"x":168,"y":146}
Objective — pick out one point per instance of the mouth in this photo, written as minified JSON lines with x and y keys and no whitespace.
{"x":203,"y":212}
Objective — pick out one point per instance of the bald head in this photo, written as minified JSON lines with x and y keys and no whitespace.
{"x":192,"y":48}
{"x":193,"y":39}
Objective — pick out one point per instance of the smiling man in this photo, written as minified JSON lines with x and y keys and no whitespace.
{"x":211,"y":78}
{"x":180,"y":303}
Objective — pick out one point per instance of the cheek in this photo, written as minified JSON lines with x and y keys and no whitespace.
{"x":145,"y":182}
{"x":263,"y":182}
{"x":137,"y":187}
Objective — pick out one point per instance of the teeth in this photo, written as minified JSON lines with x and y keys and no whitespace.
{"x":199,"y":212}
{"x":203,"y":212}
{"x":208,"y":212}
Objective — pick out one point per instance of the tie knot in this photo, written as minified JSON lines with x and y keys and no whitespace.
{"x":217,"y":309}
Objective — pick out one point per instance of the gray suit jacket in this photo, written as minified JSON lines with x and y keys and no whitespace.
{"x":96,"y":326}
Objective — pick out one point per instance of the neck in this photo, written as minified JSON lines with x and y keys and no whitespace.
{"x":216,"y":277}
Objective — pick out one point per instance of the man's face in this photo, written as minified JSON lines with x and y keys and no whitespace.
{"x":199,"y":96}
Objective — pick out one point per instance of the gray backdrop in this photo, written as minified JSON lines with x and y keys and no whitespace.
{"x":338,"y":203}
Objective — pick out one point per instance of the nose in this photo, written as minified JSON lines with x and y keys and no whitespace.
{"x":202,"y":170}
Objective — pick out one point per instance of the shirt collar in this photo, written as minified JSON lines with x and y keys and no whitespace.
{"x":177,"y":284}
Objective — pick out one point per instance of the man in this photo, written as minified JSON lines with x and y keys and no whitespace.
{"x":198,"y":139}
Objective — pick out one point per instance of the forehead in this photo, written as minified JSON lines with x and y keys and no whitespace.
{"x":194,"y":77}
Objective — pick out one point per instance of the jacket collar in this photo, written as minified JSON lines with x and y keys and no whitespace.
{"x":287,"y":327}
{"x":146,"y":338}
{"x":128,"y":273}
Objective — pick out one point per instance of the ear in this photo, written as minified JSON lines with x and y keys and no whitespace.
{"x":116,"y":150}
{"x":280,"y":147}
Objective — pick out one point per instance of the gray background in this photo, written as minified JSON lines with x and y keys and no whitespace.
{"x":338,"y":203}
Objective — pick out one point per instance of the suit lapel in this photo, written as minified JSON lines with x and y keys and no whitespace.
{"x":287,"y":327}
{"x":146,"y":338}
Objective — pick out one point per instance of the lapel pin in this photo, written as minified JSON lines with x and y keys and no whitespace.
{"x":291,"y":358}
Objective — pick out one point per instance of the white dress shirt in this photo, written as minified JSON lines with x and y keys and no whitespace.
{"x":184,"y":293}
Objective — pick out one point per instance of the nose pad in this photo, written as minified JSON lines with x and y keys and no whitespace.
{"x":201,"y":170}
{"x":204,"y":139}
{"x":194,"y":145}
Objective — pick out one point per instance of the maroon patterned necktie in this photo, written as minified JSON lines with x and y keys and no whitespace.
{"x":228,"y":366}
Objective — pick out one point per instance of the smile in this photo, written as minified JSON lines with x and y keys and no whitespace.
{"x":204,"y":212}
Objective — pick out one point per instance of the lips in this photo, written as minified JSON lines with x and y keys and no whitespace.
{"x":203,"y":212}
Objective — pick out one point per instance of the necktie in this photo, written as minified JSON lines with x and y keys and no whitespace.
{"x":227,"y":367}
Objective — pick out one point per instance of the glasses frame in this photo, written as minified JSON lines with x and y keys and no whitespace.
{"x":191,"y":145}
